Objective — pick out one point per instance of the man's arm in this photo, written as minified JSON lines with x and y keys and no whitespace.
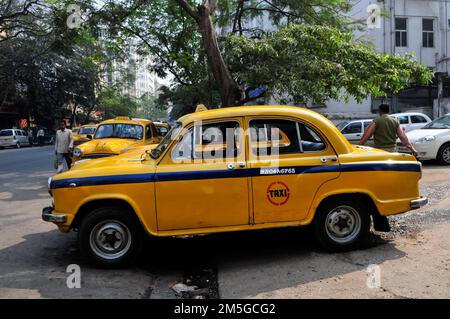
{"x":56,"y":142}
{"x":70,"y":140}
{"x":368,"y":134}
{"x":405,"y":140}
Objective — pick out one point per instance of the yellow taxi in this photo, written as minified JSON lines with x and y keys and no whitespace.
{"x":115,"y":136}
{"x":162,"y":127}
{"x":83,"y":133}
{"x":232,"y":169}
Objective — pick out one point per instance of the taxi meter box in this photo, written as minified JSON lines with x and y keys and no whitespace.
{"x":181,"y":188}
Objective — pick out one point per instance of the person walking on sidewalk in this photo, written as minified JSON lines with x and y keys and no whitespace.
{"x":40,"y":136}
{"x":385,"y":129}
{"x":63,"y":146}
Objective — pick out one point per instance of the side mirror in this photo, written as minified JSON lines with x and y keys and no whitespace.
{"x":89,"y":136}
{"x":155,"y":153}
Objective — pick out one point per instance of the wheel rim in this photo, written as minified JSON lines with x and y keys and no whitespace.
{"x":110,"y":239}
{"x":343,"y":224}
{"x":18,"y":145}
{"x":446,"y":154}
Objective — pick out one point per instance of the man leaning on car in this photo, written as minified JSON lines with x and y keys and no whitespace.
{"x":385,"y":130}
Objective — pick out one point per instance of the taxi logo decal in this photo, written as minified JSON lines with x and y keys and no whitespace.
{"x":278,"y":193}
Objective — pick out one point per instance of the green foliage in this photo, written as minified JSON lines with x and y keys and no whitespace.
{"x":114,"y":103}
{"x":318,"y":63}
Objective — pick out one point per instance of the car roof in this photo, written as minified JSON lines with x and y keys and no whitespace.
{"x":408,"y":113}
{"x":236,"y":111}
{"x":126,"y":120}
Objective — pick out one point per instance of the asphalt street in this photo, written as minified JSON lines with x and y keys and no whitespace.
{"x":282,"y":263}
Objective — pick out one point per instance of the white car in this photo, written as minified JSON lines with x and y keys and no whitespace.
{"x":14,"y":138}
{"x":354,"y":130}
{"x":412,"y":120}
{"x":432,"y":141}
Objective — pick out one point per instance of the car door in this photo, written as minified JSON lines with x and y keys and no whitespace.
{"x":202,"y":180}
{"x":289,"y":160}
{"x":353,"y":132}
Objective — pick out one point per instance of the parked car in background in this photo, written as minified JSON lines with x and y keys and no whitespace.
{"x":48,"y":138}
{"x":412,"y":120}
{"x":162,"y":128}
{"x":431,"y":141}
{"x":14,"y":138}
{"x":354,"y":130}
{"x":117,"y":135}
{"x":83,"y":134}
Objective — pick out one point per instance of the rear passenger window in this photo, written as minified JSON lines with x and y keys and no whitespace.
{"x":278,"y":136}
{"x":418,"y":119}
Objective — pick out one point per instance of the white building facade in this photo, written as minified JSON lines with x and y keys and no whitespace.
{"x":417,"y":26}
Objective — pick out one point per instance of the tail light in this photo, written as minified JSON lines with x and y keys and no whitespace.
{"x":14,"y":137}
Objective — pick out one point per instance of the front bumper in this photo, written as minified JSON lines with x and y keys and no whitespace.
{"x":48,"y":216}
{"x":417,"y":203}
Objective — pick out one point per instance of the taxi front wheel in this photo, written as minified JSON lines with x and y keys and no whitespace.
{"x":110,"y":237}
{"x":342,"y":225}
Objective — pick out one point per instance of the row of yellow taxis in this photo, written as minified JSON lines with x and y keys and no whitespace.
{"x":233,"y":169}
{"x":115,"y":136}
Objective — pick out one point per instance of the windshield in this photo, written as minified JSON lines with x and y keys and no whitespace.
{"x":168,"y":138}
{"x":6,"y":133}
{"x":440,"y":123}
{"x":341,"y":125}
{"x":87,"y":130}
{"x":119,"y":130}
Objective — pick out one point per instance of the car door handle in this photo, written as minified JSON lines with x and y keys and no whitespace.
{"x":234,"y":165}
{"x":326,"y":159}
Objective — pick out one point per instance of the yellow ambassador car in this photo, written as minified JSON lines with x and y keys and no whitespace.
{"x":83,"y":134}
{"x":232,"y":169}
{"x":115,"y":136}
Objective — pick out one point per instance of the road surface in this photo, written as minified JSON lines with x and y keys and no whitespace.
{"x":413,"y":260}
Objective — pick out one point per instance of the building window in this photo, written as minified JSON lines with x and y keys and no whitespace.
{"x":427,"y":33}
{"x":401,"y":35}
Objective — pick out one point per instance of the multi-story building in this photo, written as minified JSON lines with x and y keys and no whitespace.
{"x":418,"y":26}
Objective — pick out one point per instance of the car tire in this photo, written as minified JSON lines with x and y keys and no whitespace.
{"x":111,"y":237}
{"x":443,"y":155}
{"x":18,"y":145}
{"x":342,"y":225}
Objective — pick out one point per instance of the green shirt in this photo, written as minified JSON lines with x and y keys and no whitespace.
{"x":386,"y":131}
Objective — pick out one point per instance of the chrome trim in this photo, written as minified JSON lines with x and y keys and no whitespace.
{"x":54,"y":218}
{"x":417,"y":203}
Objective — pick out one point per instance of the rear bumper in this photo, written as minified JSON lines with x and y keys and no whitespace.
{"x":417,"y":203}
{"x":48,"y":216}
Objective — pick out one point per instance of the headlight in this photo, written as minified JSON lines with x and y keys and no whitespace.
{"x":77,"y":152}
{"x":426,"y":139}
{"x":49,"y":183}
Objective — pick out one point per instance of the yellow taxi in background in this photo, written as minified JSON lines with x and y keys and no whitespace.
{"x":162,"y":127}
{"x":232,"y":169}
{"x":83,"y":134}
{"x":116,"y":135}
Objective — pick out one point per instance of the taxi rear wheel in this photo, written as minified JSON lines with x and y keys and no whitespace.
{"x":342,"y":225}
{"x":110,"y":237}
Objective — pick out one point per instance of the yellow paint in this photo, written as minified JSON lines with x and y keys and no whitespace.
{"x":211,"y":203}
{"x":114,"y":146}
{"x":80,"y":138}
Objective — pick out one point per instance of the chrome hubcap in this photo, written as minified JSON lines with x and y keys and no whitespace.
{"x":446,"y":154}
{"x":343,"y":224}
{"x":110,"y":239}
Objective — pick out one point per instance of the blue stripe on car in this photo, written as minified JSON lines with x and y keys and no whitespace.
{"x":215,"y":174}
